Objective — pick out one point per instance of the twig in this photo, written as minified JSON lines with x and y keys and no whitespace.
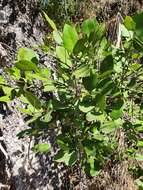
{"x":1,"y":138}
{"x":7,"y":46}
{"x":119,"y":33}
{"x":3,"y":151}
{"x":4,"y":186}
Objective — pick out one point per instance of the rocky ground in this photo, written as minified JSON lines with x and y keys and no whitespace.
{"x":21,"y":25}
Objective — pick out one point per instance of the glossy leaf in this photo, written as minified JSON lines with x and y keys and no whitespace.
{"x":82,"y":71}
{"x":89,"y":26}
{"x":129,"y":23}
{"x":140,"y":143}
{"x":26,"y":65}
{"x":107,"y":64}
{"x":86,"y":106}
{"x":63,"y":55}
{"x":93,"y":171}
{"x":50,"y":22}
{"x":49,"y":86}
{"x":139,"y":157}
{"x":70,"y":37}
{"x":139,"y":183}
{"x":42,"y":148}
{"x":95,"y":117}
{"x":28,"y":55}
{"x":5,"y":99}
{"x":80,"y":46}
{"x":116,"y":114}
{"x":57,"y":37}
{"x":101,"y":101}
{"x":47,"y":117}
{"x":90,"y":82}
{"x":33,"y":100}
{"x":138,"y":19}
{"x":2,"y":81}
{"x":68,"y":158}
{"x":108,"y":127}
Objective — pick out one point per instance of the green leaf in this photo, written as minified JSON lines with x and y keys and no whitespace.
{"x":139,"y":182}
{"x":108,"y":127}
{"x":51,"y":23}
{"x":95,"y":117}
{"x":28,"y":55}
{"x":140,"y":128}
{"x":97,"y":35}
{"x":116,"y":114}
{"x":45,"y":73}
{"x":80,"y":46}
{"x":82,"y":71}
{"x":25,"y":111}
{"x":47,"y":117}
{"x":138,"y":45}
{"x":89,"y":26}
{"x":43,"y":147}
{"x":49,"y":86}
{"x":63,"y":55}
{"x":139,"y":157}
{"x":118,"y":103}
{"x":2,"y":81}
{"x":125,"y":32}
{"x":135,"y":66}
{"x":90,"y":82}
{"x":34,"y":118}
{"x":73,"y":159}
{"x":58,"y":105}
{"x":7,"y":90}
{"x":101,"y":101}
{"x":5,"y":99}
{"x":97,"y":135}
{"x":107,"y":88}
{"x":132,"y":82}
{"x":70,"y":37}
{"x":33,"y":100}
{"x":15,"y":72}
{"x":107,"y":64}
{"x":63,"y":141}
{"x":140,"y":143}
{"x":25,"y":65}
{"x":129,"y":23}
{"x":24,"y":133}
{"x":57,"y":37}
{"x":93,"y":171}
{"x":138,"y":19}
{"x":68,"y":158}
{"x":85,"y":106}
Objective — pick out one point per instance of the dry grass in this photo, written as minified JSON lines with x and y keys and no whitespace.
{"x":115,"y":175}
{"x":107,"y":9}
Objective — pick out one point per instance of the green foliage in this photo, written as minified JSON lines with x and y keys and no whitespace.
{"x":42,"y":148}
{"x":62,"y":10}
{"x":70,"y":37}
{"x":52,"y":24}
{"x":98,"y":87}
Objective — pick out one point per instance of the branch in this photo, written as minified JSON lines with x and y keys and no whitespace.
{"x":2,"y":149}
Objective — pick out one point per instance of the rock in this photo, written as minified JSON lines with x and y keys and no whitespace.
{"x":21,"y":25}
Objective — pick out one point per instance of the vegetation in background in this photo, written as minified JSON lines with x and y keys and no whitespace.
{"x":63,"y":11}
{"x":97,"y":91}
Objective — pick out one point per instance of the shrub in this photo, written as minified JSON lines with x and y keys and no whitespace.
{"x":97,"y":91}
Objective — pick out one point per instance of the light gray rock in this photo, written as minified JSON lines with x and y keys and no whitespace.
{"x":21,"y":25}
